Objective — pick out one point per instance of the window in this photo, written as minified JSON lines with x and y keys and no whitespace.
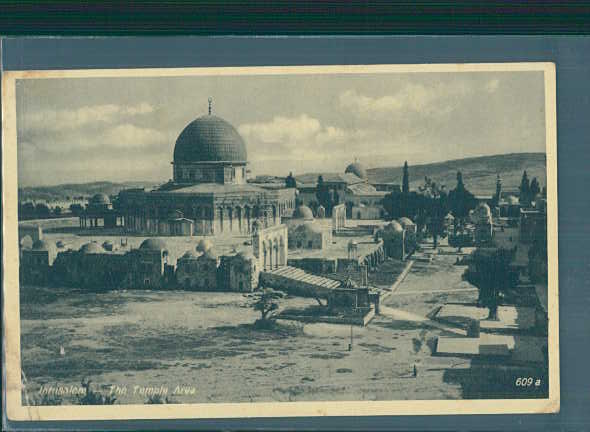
{"x":310,"y":244}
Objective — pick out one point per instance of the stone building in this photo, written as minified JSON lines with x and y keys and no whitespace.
{"x":351,"y":188}
{"x":95,"y":268}
{"x":509,"y":207}
{"x":208,"y":187}
{"x":35,"y":262}
{"x":99,"y":213}
{"x":411,"y":233}
{"x":308,"y":236}
{"x":198,"y":272}
{"x":393,"y":236}
{"x":305,"y":232}
{"x":239,"y":273}
{"x":91,"y":267}
{"x":269,"y":246}
{"x":482,"y":219}
{"x":149,"y":264}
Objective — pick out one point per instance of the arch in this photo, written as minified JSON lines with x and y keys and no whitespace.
{"x":220,"y":217}
{"x":239,"y":217}
{"x":282,"y":247}
{"x":265,"y":255}
{"x":276,"y":254}
{"x":248,"y":211}
{"x":230,"y":218}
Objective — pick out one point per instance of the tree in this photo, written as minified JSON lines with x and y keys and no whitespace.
{"x":406,"y":180}
{"x":534,"y":189}
{"x":325,"y":196}
{"x":290,"y":181}
{"x":42,"y":210}
{"x":437,"y":210}
{"x":461,"y":201}
{"x":76,"y":209}
{"x":525,"y":191}
{"x":266,"y":301}
{"x":27,"y":210}
{"x":391,"y":204}
{"x":490,"y":273}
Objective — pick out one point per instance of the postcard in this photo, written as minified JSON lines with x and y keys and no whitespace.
{"x":280,"y":241}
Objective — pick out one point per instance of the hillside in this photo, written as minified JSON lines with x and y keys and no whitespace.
{"x":65,"y":192}
{"x":479,"y":173}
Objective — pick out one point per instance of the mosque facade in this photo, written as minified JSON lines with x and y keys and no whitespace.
{"x":208,"y":193}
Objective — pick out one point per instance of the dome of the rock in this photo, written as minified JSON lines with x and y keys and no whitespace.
{"x":209,"y":139}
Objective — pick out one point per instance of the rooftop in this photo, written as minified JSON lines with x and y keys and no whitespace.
{"x":215,"y":189}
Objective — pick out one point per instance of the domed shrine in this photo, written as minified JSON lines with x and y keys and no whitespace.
{"x":208,"y":193}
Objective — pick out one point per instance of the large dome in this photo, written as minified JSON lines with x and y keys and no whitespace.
{"x":209,"y":139}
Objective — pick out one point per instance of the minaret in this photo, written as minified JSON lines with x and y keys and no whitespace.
{"x":498,"y":188}
{"x":210,"y":104}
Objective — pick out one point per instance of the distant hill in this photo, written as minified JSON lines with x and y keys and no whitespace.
{"x":66,"y":192}
{"x":479,"y":173}
{"x":479,"y":176}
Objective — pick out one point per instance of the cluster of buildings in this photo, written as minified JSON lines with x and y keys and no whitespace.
{"x":106,"y":267}
{"x":209,"y":197}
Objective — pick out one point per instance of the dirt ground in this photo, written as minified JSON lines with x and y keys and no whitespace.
{"x":131,"y":343}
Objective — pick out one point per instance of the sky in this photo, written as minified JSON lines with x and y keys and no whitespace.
{"x":75,"y":130}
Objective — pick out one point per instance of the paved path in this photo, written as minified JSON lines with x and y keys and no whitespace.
{"x":401,"y":315}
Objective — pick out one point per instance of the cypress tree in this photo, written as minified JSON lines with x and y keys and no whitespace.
{"x":525,"y":190}
{"x":406,"y":180}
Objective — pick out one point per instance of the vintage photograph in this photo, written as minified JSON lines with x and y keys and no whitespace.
{"x":277,"y":235}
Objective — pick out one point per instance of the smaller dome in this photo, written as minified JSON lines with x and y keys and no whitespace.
{"x":357,"y":169}
{"x":405,"y":222}
{"x":394,"y":226}
{"x":303,"y":212}
{"x":204,"y":245}
{"x":153,"y":244}
{"x":100,"y":199}
{"x":40,"y":245}
{"x":91,"y":248}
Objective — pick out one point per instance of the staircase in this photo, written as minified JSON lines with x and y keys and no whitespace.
{"x":295,"y":281}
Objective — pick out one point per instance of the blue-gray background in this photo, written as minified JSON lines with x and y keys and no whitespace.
{"x":572,"y":57}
